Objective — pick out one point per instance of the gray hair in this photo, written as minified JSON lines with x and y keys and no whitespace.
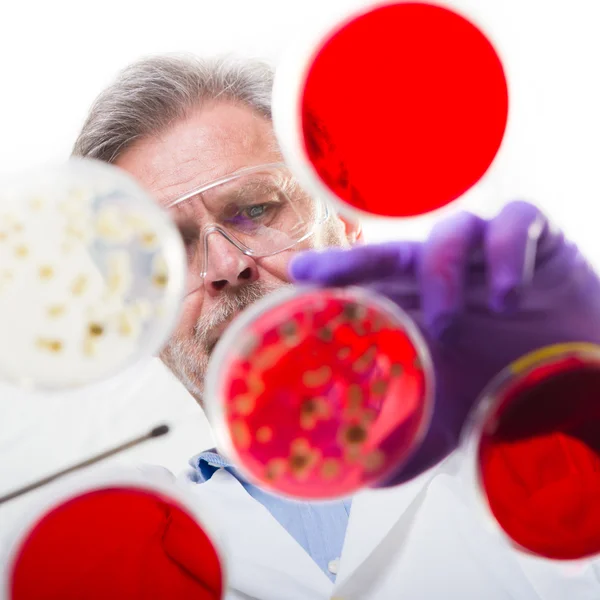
{"x":153,"y":92}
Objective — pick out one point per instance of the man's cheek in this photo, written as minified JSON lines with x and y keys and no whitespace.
{"x":274,"y":269}
{"x":190,"y":312}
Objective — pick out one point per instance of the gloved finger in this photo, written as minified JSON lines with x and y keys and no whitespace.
{"x":362,"y":264}
{"x":404,"y":291}
{"x":511,"y":242}
{"x":443,"y":268}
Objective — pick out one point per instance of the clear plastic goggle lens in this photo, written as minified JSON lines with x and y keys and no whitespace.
{"x":261,"y":210}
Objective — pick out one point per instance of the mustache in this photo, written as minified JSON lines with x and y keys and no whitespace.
{"x":230,"y":304}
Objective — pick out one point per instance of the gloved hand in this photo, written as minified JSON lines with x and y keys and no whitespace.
{"x":483,"y":293}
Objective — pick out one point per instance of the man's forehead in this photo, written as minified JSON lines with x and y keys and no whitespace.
{"x":212,"y":142}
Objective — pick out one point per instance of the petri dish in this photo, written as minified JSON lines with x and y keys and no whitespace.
{"x":135,"y":541}
{"x":317,"y":393}
{"x":395,"y":111}
{"x":533,"y":446}
{"x":92,"y":273}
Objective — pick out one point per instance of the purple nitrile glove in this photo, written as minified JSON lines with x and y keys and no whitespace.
{"x":483,"y":293}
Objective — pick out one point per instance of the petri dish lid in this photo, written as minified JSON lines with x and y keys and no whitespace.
{"x":121,"y":538}
{"x":92,"y":273}
{"x":395,"y":111}
{"x":317,"y":393}
{"x":533,"y":448}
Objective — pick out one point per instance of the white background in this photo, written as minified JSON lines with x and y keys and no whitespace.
{"x":56,"y":57}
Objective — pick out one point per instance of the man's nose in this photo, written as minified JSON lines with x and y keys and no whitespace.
{"x":227,"y":266}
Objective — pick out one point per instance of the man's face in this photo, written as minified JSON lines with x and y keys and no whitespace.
{"x":217,"y":140}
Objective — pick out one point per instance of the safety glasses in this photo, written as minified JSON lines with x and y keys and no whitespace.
{"x":261,"y":210}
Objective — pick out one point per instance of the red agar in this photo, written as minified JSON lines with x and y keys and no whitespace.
{"x":404,"y":109}
{"x":326,"y":396}
{"x":540,"y":463}
{"x":117,"y":544}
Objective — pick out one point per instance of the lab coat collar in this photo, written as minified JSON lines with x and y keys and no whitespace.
{"x":365,"y":534}
{"x":257,"y":547}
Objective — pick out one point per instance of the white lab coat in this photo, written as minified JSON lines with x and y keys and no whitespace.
{"x":419,"y":541}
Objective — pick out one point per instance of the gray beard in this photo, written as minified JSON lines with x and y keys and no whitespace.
{"x":188,"y":358}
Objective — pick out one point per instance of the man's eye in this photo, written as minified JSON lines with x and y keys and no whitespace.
{"x":256,"y":211}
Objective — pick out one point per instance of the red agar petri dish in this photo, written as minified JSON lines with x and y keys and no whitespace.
{"x":396,"y":111}
{"x":117,"y":543}
{"x":538,"y":455}
{"x":317,"y":393}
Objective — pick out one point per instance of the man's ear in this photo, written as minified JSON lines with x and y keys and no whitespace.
{"x":353,"y":230}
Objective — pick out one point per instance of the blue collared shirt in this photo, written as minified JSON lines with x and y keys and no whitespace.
{"x":319,"y":528}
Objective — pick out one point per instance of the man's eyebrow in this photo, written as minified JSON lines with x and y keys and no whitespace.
{"x":227,"y":193}
{"x":288,"y":185}
{"x":259,"y":185}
